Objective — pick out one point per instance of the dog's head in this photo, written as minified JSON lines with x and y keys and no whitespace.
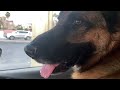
{"x":77,"y":37}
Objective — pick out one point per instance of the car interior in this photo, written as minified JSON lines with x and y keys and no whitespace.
{"x":30,"y":73}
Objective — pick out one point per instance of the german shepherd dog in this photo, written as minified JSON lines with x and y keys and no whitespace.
{"x":86,"y":41}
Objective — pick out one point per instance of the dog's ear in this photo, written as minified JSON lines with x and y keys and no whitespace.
{"x":63,"y":13}
{"x":111,"y":18}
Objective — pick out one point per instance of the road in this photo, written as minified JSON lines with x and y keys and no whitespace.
{"x":13,"y":55}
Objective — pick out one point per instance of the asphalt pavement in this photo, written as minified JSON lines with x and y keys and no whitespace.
{"x":13,"y":55}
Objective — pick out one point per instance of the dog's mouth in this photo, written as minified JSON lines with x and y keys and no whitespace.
{"x":52,"y":69}
{"x":56,"y":62}
{"x":47,"y":70}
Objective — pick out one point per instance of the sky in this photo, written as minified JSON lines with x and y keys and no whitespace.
{"x":23,"y":17}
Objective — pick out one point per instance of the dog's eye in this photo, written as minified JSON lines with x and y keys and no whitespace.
{"x":77,"y":22}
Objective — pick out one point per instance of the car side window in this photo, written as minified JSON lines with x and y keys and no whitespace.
{"x":22,"y":32}
{"x":18,"y":34}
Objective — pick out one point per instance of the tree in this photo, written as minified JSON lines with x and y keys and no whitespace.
{"x":26,"y":29}
{"x":2,"y":23}
{"x":19,"y":27}
{"x":7,"y":14}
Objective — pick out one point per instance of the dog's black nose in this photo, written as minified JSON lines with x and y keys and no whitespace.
{"x":30,"y":50}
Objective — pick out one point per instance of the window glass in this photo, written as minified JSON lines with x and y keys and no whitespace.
{"x":12,"y":44}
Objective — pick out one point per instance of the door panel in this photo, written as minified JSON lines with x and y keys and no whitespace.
{"x":30,"y":73}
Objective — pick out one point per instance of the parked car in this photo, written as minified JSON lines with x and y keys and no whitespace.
{"x":19,"y":34}
{"x":7,"y":31}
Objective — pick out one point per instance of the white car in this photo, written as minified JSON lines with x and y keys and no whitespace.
{"x":27,"y":35}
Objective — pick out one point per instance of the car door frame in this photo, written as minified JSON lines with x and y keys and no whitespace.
{"x":30,"y":73}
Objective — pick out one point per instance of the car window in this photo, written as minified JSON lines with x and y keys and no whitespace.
{"x":22,"y":32}
{"x":13,"y":55}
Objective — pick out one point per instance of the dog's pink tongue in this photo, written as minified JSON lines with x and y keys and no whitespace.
{"x":47,"y":70}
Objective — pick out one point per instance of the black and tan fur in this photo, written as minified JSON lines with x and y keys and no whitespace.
{"x":88,"y":41}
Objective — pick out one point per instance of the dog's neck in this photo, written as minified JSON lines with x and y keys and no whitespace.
{"x":109,"y":65}
{"x":108,"y":61}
